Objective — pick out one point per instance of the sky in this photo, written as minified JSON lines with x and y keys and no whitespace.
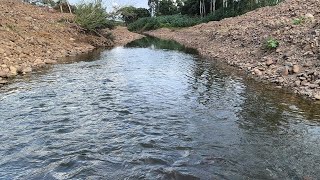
{"x":109,"y":3}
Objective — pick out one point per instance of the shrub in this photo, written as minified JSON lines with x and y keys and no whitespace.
{"x":297,"y":21}
{"x":151,"y":23}
{"x":272,"y":43}
{"x":92,"y":16}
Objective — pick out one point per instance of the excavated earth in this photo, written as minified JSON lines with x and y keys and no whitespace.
{"x":32,"y":37}
{"x":241,"y":41}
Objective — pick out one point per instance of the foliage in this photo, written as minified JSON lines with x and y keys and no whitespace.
{"x":297,"y":21}
{"x":168,"y":7}
{"x":150,"y":23}
{"x":272,"y":43}
{"x":130,"y":14}
{"x":192,"y":7}
{"x":190,"y":13}
{"x":92,"y":16}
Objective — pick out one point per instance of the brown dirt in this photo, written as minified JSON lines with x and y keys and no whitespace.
{"x":240,"y":41}
{"x":31,"y":37}
{"x":122,"y":36}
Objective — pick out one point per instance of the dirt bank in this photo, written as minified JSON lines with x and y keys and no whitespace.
{"x":241,"y":42}
{"x":122,"y":36}
{"x":31,"y":37}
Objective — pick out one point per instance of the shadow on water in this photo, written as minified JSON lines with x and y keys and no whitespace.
{"x":155,"y":43}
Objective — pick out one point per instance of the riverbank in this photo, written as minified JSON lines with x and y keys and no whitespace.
{"x":32,"y":37}
{"x":241,"y":42}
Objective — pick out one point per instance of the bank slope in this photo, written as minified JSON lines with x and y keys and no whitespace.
{"x":31,"y":37}
{"x":241,"y":41}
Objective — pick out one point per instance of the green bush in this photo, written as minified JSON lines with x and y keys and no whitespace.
{"x":272,"y":43}
{"x":191,"y":8}
{"x":92,"y":16}
{"x":150,"y":23}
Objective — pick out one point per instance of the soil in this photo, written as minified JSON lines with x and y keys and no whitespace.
{"x":243,"y":42}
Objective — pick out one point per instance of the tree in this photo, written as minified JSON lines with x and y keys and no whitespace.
{"x":130,"y":14}
{"x":166,"y":7}
{"x":153,"y":4}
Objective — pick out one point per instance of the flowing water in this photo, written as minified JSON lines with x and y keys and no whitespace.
{"x":152,"y":110}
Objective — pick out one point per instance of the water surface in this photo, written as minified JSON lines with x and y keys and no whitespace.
{"x":152,"y":111}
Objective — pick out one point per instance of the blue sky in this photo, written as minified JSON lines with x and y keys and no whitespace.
{"x":108,"y":3}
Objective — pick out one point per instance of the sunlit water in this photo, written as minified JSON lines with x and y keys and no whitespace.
{"x":146,"y":112}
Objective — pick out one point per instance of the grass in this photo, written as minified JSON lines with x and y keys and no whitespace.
{"x":92,"y":16}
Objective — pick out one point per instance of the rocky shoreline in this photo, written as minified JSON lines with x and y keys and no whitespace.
{"x":33,"y":37}
{"x":241,"y":42}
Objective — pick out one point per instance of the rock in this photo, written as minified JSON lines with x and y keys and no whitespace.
{"x":26,"y":70}
{"x":269,"y":62}
{"x":3,"y":81}
{"x":297,"y":83}
{"x":257,"y":72}
{"x":28,"y":18}
{"x":4,"y":73}
{"x":48,"y":61}
{"x":284,"y":71}
{"x":296,"y":69}
{"x":280,"y":80}
{"x":72,"y":39}
{"x":313,"y":86}
{"x":307,"y":64}
{"x":310,"y":17}
{"x":317,"y":95}
{"x":305,"y":83}
{"x":38,"y":62}
{"x":13,"y":70}
{"x":2,"y":51}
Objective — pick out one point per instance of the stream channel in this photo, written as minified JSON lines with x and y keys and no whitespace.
{"x":154,"y":110}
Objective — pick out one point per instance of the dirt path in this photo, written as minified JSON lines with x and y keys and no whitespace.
{"x":241,"y":42}
{"x":32,"y":37}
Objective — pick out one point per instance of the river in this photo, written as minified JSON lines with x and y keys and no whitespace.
{"x":154,"y":110}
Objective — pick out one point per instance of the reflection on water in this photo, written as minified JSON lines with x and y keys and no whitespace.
{"x":141,"y":112}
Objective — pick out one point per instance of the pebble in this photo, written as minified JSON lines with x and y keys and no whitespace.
{"x":317,"y":95}
{"x":257,"y":72}
{"x":3,"y":81}
{"x":269,"y":62}
{"x":296,"y":69}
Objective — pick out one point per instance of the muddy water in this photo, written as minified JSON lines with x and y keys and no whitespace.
{"x":151,"y":110}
